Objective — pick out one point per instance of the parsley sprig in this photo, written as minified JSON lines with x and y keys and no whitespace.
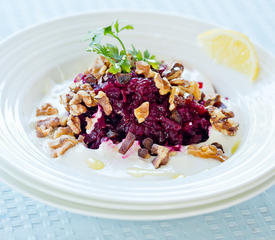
{"x":137,"y":55}
{"x":118,"y":58}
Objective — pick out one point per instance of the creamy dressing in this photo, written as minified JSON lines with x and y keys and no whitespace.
{"x":107,"y":161}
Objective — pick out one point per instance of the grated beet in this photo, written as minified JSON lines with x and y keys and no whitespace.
{"x":159,"y":125}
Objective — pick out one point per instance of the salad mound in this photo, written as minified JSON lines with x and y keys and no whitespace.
{"x":187,"y":124}
{"x":129,"y":96}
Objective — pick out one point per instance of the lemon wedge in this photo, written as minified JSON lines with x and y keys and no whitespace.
{"x":231,"y":48}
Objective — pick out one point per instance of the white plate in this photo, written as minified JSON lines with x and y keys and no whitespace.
{"x":132,"y":214}
{"x":31,"y":57}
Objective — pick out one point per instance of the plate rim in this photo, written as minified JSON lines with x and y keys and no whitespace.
{"x":130,"y":215}
{"x":116,"y":11}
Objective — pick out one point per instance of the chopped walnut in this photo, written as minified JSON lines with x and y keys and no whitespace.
{"x":227,"y":127}
{"x":227,"y":113}
{"x":196,"y":90}
{"x":59,"y":142}
{"x":143,"y":68}
{"x":174,"y":92}
{"x":86,"y":87}
{"x":77,"y":109}
{"x":65,"y":99}
{"x":221,"y":120}
{"x":89,"y":78}
{"x":88,"y":98}
{"x":80,"y":139}
{"x":152,"y":74}
{"x":46,"y":109}
{"x":63,"y":131}
{"x":192,"y":88}
{"x":105,"y":61}
{"x":75,"y":87}
{"x":91,"y":121}
{"x":127,"y":143}
{"x":100,"y":67}
{"x":207,"y":151}
{"x":102,"y":70}
{"x":178,"y":96}
{"x":218,"y":145}
{"x":74,"y":124}
{"x":90,"y":124}
{"x":215,"y":101}
{"x":61,"y":145}
{"x":45,"y":127}
{"x":174,"y":72}
{"x":162,"y":155}
{"x":178,"y":81}
{"x":104,"y":102}
{"x":84,"y":96}
{"x":76,"y":99}
{"x":63,"y":121}
{"x":162,"y":84}
{"x":142,"y":112}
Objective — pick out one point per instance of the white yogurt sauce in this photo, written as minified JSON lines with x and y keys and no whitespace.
{"x":130,"y":165}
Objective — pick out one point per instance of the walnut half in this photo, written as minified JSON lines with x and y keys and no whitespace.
{"x":207,"y":151}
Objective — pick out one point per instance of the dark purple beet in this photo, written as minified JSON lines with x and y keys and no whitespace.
{"x":159,"y":126}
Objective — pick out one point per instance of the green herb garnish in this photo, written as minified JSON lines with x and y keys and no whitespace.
{"x":145,"y":57}
{"x":118,"y":58}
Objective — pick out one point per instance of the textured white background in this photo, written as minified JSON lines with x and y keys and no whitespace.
{"x":23,"y":218}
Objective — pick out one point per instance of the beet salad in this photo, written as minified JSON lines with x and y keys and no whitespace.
{"x":128,"y":96}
